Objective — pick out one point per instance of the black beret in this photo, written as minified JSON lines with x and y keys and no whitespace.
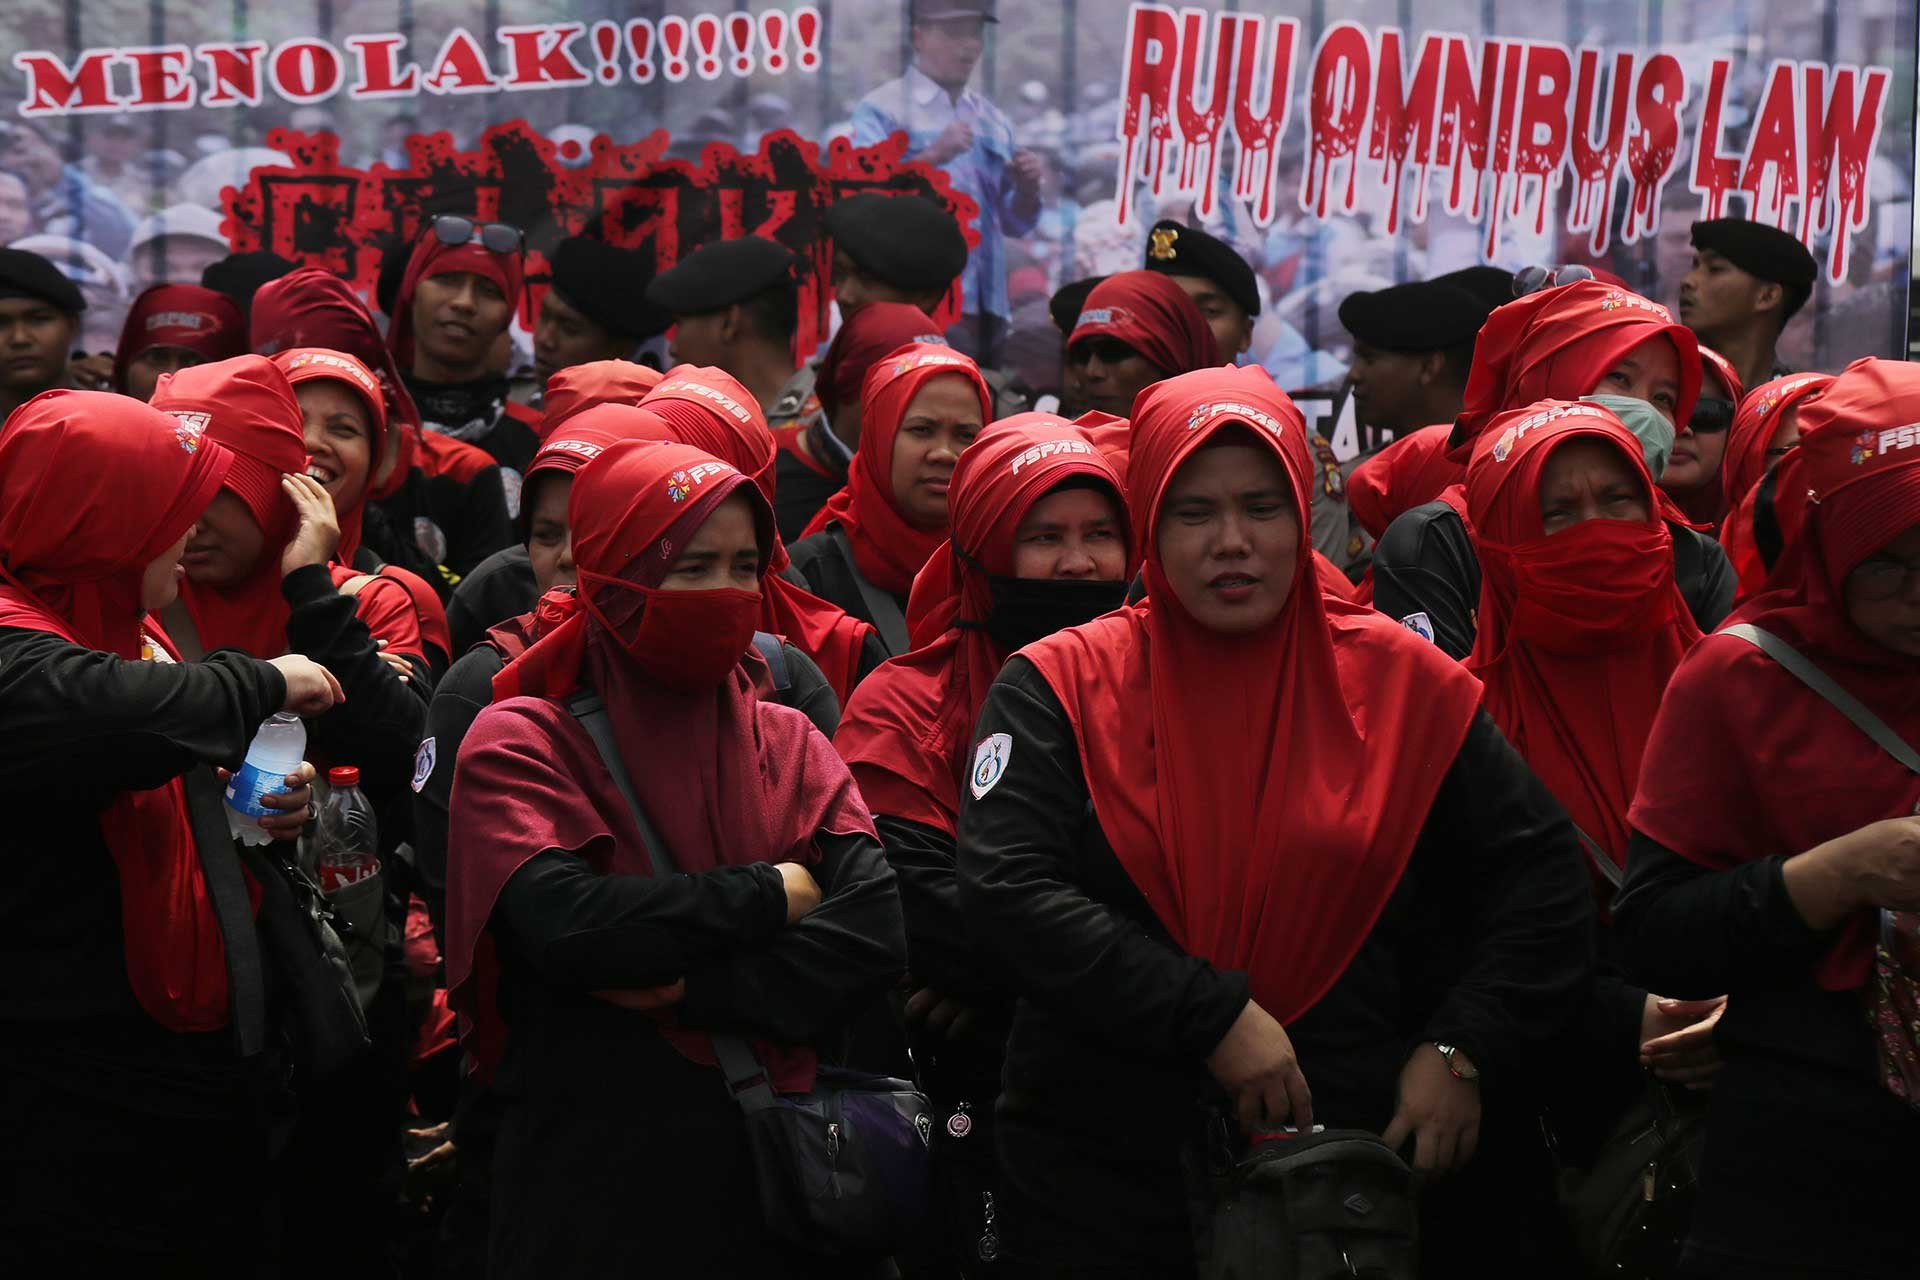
{"x":1765,"y":252}
{"x":720,"y":274}
{"x":1176,"y":249}
{"x":28,"y":275}
{"x":1424,"y":315}
{"x":1069,"y":301}
{"x":1489,"y":284}
{"x":608,"y":285}
{"x":907,"y":241}
{"x":240,"y":275}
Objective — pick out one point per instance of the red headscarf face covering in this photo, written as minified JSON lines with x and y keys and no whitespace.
{"x":1746,"y":762}
{"x":1557,"y":344}
{"x":1579,"y":630}
{"x":1410,"y":472}
{"x":179,"y":315}
{"x":1747,"y":463}
{"x":726,"y":779}
{"x":868,"y":334}
{"x":888,"y":549}
{"x":432,"y":258}
{"x":1266,"y":829}
{"x":248,"y":405}
{"x":315,"y":364}
{"x":580,"y":387}
{"x":93,"y":486}
{"x":1153,"y":315}
{"x":909,"y":728}
{"x":313,"y":308}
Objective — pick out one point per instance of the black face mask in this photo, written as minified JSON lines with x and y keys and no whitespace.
{"x":1030,"y":609}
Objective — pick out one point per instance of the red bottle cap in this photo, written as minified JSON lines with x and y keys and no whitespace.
{"x":344,"y":775}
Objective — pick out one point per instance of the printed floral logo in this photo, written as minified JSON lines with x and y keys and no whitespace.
{"x":1863,"y":447}
{"x":190,"y":428}
{"x":679,"y":485}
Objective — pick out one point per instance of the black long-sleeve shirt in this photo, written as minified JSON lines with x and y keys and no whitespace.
{"x":1484,"y":944}
{"x":80,"y":728}
{"x":826,"y":573}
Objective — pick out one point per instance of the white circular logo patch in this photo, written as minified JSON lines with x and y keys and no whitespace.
{"x":990,"y":760}
{"x":423,"y":765}
{"x":1420,"y":624}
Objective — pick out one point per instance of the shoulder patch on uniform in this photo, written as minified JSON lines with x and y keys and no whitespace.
{"x":990,"y":761}
{"x":1420,"y":624}
{"x":423,"y":765}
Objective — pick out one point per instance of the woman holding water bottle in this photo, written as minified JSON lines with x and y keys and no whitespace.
{"x":129,"y":1134}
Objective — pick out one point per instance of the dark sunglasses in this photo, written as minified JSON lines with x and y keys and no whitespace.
{"x":1711,"y":414}
{"x":496,"y":237}
{"x":1110,"y":351}
{"x":1533,"y":279}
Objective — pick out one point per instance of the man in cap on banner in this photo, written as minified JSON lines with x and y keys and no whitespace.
{"x":39,"y":320}
{"x":953,"y":128}
{"x":1215,"y":276}
{"x":1748,"y":280}
{"x":596,"y":308}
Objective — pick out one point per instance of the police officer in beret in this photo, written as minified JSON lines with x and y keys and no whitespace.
{"x":1747,"y":281}
{"x":1215,"y":276}
{"x":1412,"y":348}
{"x":39,"y":320}
{"x":893,"y":248}
{"x":595,"y":308}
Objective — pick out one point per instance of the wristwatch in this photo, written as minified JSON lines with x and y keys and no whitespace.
{"x":1454,"y":1059}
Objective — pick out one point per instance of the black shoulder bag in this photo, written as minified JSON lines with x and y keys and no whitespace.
{"x":841,"y":1170}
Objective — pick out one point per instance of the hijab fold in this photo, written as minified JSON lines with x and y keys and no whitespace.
{"x":179,"y":315}
{"x":580,"y":387}
{"x":1150,"y":313}
{"x":864,"y":339}
{"x":1263,"y":791}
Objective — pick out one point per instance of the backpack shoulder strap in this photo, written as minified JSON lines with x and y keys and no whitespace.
{"x":1609,"y":870}
{"x":227,"y":887}
{"x":591,"y":712}
{"x":775,"y":653}
{"x":885,"y":611}
{"x":1805,"y":671}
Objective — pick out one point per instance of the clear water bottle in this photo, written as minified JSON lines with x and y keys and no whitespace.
{"x":275,"y":752}
{"x":347,"y":845}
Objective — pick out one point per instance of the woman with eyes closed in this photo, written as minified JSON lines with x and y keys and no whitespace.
{"x":592,"y":973}
{"x":921,"y":407}
{"x":1241,"y":842}
{"x":1585,"y":339}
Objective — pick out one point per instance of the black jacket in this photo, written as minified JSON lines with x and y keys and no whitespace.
{"x":820,"y":567}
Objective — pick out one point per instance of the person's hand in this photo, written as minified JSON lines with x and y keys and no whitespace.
{"x":91,"y":373}
{"x":1255,"y":1063}
{"x":318,"y":535}
{"x":1676,"y":1040}
{"x":1438,"y":1110}
{"x":311,"y":688}
{"x":942,"y":1015}
{"x":645,"y":999}
{"x":1027,"y":170}
{"x":1875,"y":866}
{"x":953,"y":139}
{"x":803,"y":891}
{"x":294,"y":805}
{"x":398,"y":662}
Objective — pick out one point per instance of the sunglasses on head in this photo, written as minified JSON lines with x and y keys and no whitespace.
{"x":1533,"y":279}
{"x":1110,"y":351}
{"x":1711,"y":414}
{"x":496,"y":237}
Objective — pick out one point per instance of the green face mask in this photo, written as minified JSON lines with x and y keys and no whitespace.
{"x":1654,"y":432}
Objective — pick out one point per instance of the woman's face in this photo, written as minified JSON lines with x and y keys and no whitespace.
{"x":339,"y":440}
{"x":1650,"y":372}
{"x":1072,"y":533}
{"x":160,"y":581}
{"x":1589,"y":480}
{"x":145,"y":370}
{"x":1882,"y":595}
{"x":724,"y":552}
{"x":225,"y":544}
{"x":1229,"y":537}
{"x":940,"y":422}
{"x":549,"y":538}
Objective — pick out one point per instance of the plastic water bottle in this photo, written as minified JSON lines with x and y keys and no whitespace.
{"x":348,"y":842}
{"x":275,"y":752}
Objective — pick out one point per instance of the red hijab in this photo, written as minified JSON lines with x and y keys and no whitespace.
{"x":1153,"y":315}
{"x":432,"y":258}
{"x":1410,"y":472}
{"x":887,"y":549}
{"x":1746,"y":464}
{"x":316,"y":364}
{"x":582,"y":386}
{"x":713,"y":412}
{"x":727,"y":779}
{"x":248,"y":405}
{"x":93,"y":486}
{"x":1266,"y":828}
{"x":1746,"y":762}
{"x":909,"y":728}
{"x":1110,"y":435}
{"x":314,"y":308}
{"x":1707,"y":506}
{"x":199,"y":320}
{"x":1580,"y":630}
{"x":1556,"y":345}
{"x":870,"y":333}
